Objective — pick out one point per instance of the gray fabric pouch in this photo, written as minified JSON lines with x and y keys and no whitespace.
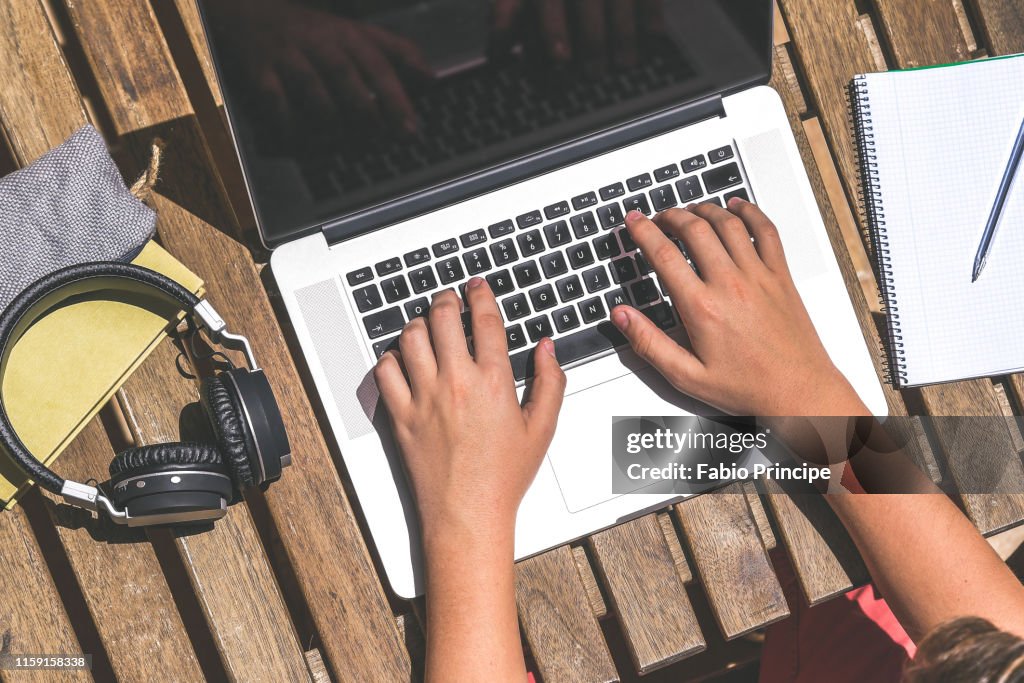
{"x":70,"y":206}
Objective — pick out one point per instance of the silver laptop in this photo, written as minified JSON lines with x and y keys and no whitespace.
{"x":392,"y":149}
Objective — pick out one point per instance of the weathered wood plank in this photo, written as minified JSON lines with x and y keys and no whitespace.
{"x":32,"y":616}
{"x":33,"y":119}
{"x":1002,"y":25}
{"x":923,"y":32}
{"x":650,"y":600}
{"x":731,"y":561}
{"x":558,"y":622}
{"x":331,"y":562}
{"x":589,"y":582}
{"x":764,"y":527}
{"x":122,"y":580}
{"x":188,"y":10}
{"x":228,"y":569}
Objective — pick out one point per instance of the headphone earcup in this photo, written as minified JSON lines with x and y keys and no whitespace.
{"x":173,"y":483}
{"x":225,"y":413}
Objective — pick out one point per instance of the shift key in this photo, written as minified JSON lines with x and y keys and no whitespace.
{"x":722,"y":177}
{"x":387,"y":321}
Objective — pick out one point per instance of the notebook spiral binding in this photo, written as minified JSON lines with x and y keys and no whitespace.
{"x":873,"y":213}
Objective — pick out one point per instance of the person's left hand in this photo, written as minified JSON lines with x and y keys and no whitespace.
{"x":470,"y":449}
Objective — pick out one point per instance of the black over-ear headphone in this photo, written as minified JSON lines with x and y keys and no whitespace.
{"x":174,"y":483}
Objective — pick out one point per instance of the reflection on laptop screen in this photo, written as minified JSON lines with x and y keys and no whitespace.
{"x":341,"y":105}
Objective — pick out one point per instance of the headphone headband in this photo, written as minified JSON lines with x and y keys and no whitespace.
{"x":50,"y":291}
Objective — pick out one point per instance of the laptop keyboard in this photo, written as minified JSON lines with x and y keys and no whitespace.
{"x":556,"y":271}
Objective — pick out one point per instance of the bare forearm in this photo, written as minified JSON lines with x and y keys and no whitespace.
{"x":472,"y":624}
{"x":929,"y":561}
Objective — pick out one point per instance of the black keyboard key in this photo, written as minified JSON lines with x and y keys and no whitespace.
{"x":569,"y":288}
{"x":720,"y":154}
{"x":395,"y":289}
{"x":387,"y":321}
{"x":580,"y":255}
{"x":501,"y":229}
{"x":504,"y":252}
{"x":449,"y":246}
{"x":566,"y":319}
{"x":639,"y":182}
{"x":449,"y":270}
{"x":610,"y":216}
{"x":627,"y":240}
{"x":694,"y":163}
{"x":514,"y":337}
{"x":584,"y":201}
{"x":607,"y":246}
{"x":471,"y":239}
{"x":422,"y":279}
{"x":589,"y":342}
{"x":385,"y":345}
{"x":543,"y":298}
{"x":415,"y":258}
{"x":538,"y":328}
{"x":516,"y":307}
{"x":530,"y":243}
{"x":554,"y":264}
{"x":616,"y":297}
{"x":367,"y":298}
{"x":689,"y":189}
{"x":665,"y":173}
{"x":596,"y":279}
{"x":528,"y":220}
{"x":637,"y":202}
{"x":644,"y":292}
{"x":556,"y":210}
{"x":390,"y":266}
{"x":722,"y":177}
{"x":623,"y":269}
{"x":477,"y":261}
{"x":642,"y":265}
{"x":417,"y":308}
{"x":527,"y":274}
{"x":358,"y":277}
{"x":591,"y":310}
{"x":557,"y":234}
{"x":612,"y":191}
{"x":522,"y":364}
{"x":663,"y":198}
{"x":741,"y":193}
{"x":467,"y":324}
{"x":584,"y":225}
{"x":713,"y":200}
{"x":500,"y":282}
{"x":661,"y":315}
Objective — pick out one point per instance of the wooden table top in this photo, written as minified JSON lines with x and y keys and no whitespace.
{"x":285,"y":588}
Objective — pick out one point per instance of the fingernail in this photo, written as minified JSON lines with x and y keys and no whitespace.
{"x":621,"y":320}
{"x":633,"y":215}
{"x":691,"y":207}
{"x":549,"y":346}
{"x":410,"y":125}
{"x":735,"y":201}
{"x":474,"y":282}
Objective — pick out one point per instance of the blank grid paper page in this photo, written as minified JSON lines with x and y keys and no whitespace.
{"x":943,"y":137}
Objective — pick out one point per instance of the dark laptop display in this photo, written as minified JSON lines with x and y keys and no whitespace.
{"x":339,"y":106}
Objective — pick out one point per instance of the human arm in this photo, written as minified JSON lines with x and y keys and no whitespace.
{"x":924,"y":555}
{"x":471,"y":451}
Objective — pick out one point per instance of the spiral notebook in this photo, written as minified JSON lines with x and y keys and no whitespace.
{"x":933,"y":145}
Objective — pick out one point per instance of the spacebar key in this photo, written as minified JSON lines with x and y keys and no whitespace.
{"x":572,"y":348}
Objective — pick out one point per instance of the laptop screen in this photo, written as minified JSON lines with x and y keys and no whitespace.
{"x":341,"y":105}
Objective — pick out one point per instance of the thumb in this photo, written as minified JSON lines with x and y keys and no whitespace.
{"x":544,"y":395}
{"x":678,"y":365}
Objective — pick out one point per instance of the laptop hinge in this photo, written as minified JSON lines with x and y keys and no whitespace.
{"x":521,"y":169}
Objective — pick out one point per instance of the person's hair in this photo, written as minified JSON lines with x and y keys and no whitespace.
{"x":968,"y":650}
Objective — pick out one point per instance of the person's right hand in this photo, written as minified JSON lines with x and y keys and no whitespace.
{"x":754,"y":348}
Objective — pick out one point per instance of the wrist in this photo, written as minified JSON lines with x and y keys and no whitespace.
{"x":465,"y":532}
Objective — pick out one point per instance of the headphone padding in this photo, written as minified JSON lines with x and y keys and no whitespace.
{"x":158,"y":455}
{"x":229,"y":425}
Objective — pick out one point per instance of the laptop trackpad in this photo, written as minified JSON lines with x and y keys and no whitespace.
{"x":581,"y":452}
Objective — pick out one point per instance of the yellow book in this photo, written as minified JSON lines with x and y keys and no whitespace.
{"x":71,"y":363}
